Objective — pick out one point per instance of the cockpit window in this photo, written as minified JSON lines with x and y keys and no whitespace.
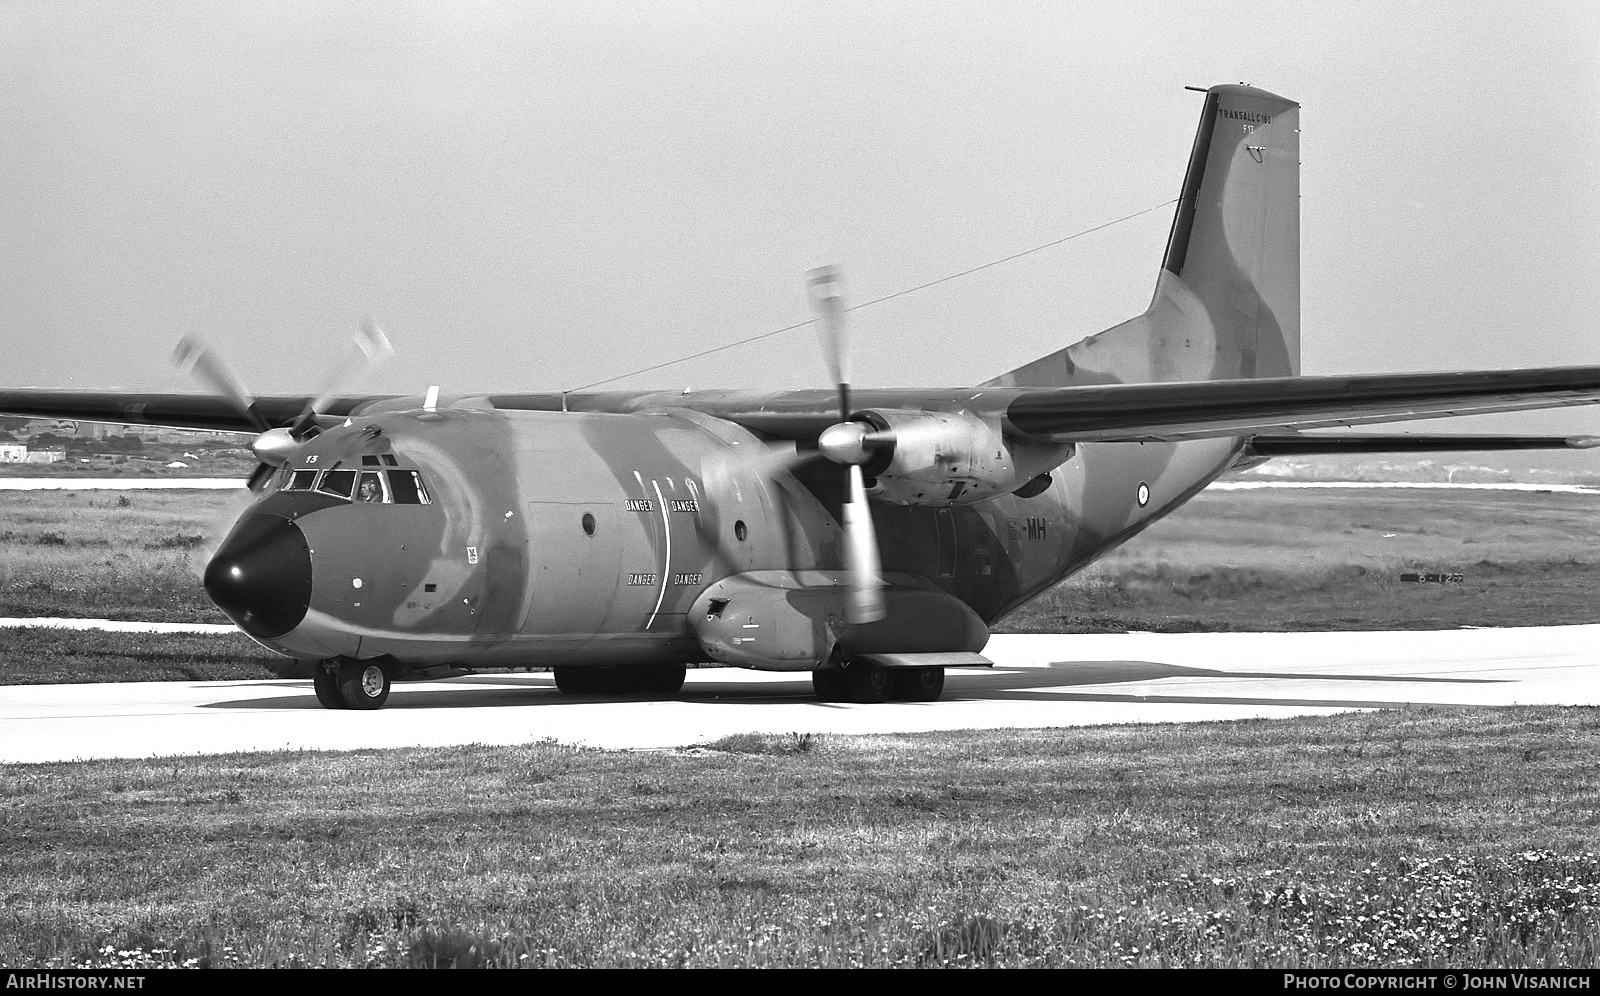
{"x":405,"y":487}
{"x":370,"y":488}
{"x":385,"y":487}
{"x":337,"y":483}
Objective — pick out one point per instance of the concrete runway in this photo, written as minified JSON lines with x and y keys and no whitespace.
{"x":1040,"y":681}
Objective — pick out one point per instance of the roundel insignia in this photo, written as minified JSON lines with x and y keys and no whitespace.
{"x":1144,"y":494}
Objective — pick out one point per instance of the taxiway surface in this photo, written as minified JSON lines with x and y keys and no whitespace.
{"x":1039,"y":681}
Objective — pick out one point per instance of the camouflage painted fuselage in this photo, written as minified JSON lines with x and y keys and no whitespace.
{"x":566,"y":538}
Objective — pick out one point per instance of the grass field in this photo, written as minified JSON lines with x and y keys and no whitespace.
{"x":115,"y":555}
{"x":36,"y":655}
{"x":1402,"y":839}
{"x":1332,"y":560}
{"x":1238,"y":560}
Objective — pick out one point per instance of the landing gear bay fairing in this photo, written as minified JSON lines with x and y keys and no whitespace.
{"x":870,"y":537}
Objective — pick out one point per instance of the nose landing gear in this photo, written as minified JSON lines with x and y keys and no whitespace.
{"x":347,"y":684}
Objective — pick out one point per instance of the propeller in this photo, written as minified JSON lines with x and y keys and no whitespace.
{"x":372,"y":350}
{"x":845,"y":443}
{"x":195,"y":356}
{"x":274,"y":445}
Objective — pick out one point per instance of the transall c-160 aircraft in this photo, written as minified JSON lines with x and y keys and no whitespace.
{"x":870,"y":538}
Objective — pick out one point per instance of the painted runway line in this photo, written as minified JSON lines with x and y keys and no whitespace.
{"x":120,"y":484}
{"x":1569,"y":489}
{"x":229,"y":484}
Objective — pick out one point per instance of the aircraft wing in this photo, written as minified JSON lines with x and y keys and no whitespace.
{"x":212,"y":412}
{"x":1266,"y":406}
{"x":1276,"y":407}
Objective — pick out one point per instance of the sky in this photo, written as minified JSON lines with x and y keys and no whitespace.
{"x":531,"y":196}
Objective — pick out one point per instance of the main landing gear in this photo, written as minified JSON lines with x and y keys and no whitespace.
{"x":864,"y":681}
{"x":646,"y":680}
{"x":347,"y":684}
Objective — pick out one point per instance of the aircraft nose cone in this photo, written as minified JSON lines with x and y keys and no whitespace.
{"x":261,"y":575}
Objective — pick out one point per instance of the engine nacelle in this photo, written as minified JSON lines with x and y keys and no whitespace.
{"x":941,"y":459}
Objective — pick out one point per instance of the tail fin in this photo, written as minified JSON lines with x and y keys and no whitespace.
{"x":1227,"y":300}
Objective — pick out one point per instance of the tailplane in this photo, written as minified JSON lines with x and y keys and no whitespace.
{"x":1227,"y":300}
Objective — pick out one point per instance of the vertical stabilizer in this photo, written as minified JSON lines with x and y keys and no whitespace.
{"x":1227,"y":300}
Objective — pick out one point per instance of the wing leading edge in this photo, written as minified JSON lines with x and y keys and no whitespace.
{"x":215,"y":413}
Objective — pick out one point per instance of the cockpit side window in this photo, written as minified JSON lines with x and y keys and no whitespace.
{"x":338,"y":483}
{"x":301,"y":480}
{"x":405,"y":487}
{"x":370,"y":488}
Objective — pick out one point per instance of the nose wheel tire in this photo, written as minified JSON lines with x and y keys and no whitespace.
{"x":363,"y":685}
{"x":325,"y":679}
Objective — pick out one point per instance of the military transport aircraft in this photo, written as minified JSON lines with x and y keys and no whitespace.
{"x":870,"y":538}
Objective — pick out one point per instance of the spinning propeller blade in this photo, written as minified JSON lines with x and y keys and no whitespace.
{"x":274,"y":445}
{"x":196,"y":357}
{"x":827,"y":303}
{"x":864,"y":603}
{"x":372,"y":349}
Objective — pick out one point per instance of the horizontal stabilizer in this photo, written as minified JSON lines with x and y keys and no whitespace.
{"x":1309,"y":444}
{"x":952,"y":659}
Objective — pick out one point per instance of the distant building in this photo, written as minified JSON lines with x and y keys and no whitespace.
{"x":16,"y":453}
